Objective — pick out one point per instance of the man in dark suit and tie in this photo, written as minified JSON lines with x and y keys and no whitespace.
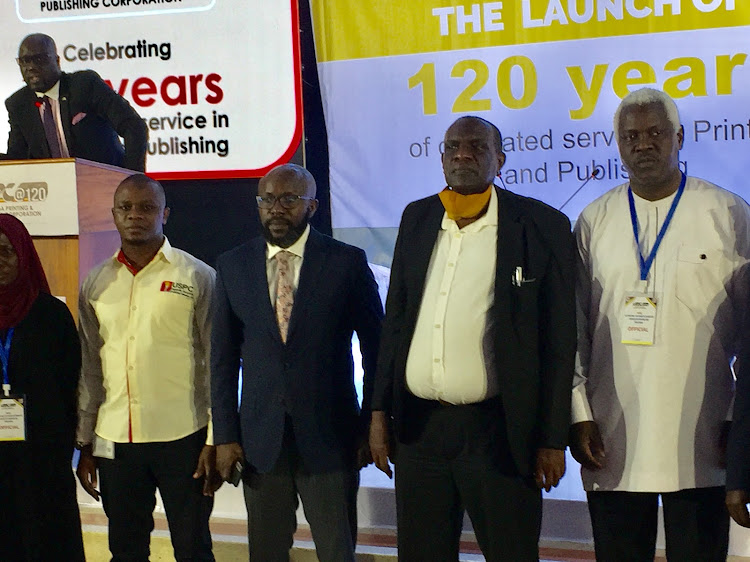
{"x":285,"y":309}
{"x":476,"y":359}
{"x":60,"y":115}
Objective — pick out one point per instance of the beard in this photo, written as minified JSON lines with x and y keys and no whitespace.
{"x":292,"y":234}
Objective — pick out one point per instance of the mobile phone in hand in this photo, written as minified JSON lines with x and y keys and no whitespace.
{"x":236,"y":476}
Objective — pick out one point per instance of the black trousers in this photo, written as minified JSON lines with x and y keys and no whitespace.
{"x":696,"y":525}
{"x":128,"y":485}
{"x":461,"y":461}
{"x":39,"y":517}
{"x":329,"y":500}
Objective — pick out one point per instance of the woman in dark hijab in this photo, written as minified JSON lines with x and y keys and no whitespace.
{"x":41,"y":359}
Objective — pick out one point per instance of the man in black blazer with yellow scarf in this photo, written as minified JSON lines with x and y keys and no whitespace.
{"x":476,"y":359}
{"x":87,"y":115}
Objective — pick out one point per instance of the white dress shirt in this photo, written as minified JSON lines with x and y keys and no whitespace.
{"x":660,"y":408}
{"x":450,"y":357}
{"x":295,"y":262}
{"x":146,"y":344}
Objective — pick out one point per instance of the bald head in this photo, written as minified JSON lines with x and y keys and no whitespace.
{"x":291,"y":176}
{"x":286,"y":202}
{"x":38,"y":61}
{"x":39,"y":40}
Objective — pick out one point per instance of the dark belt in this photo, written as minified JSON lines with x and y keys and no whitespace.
{"x":489,"y":403}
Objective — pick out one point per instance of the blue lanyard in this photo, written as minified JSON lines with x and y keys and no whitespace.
{"x":646,"y":263}
{"x":5,"y":355}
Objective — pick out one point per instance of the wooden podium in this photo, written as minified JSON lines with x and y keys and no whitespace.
{"x":66,"y":204}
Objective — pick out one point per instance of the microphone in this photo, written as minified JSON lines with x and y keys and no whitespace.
{"x":595,"y":174}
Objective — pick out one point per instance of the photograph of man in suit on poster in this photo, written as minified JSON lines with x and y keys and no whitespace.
{"x":286,"y":306}
{"x":476,"y":359}
{"x":76,"y":115}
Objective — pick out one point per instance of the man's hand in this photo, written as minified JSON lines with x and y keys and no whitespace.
{"x":363,"y":454}
{"x":380,"y":442}
{"x":737,"y":501}
{"x":86,"y":472}
{"x":586,"y":445}
{"x":550,"y":467}
{"x":227,"y":456}
{"x":206,"y":469}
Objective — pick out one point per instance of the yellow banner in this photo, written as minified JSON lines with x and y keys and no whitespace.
{"x":354,"y":29}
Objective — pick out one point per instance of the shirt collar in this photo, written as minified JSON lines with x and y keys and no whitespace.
{"x":488,"y":219}
{"x":53,"y":92}
{"x":166,"y":251}
{"x":298,"y":248}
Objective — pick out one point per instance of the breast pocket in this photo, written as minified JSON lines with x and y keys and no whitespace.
{"x":702,"y":275}
{"x":172,"y":314}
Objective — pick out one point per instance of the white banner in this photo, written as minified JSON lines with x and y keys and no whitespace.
{"x":390,"y":96}
{"x":217,"y":81}
{"x":42,"y":196}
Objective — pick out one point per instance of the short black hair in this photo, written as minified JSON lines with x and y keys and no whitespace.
{"x":496,"y":135}
{"x":142,"y":180}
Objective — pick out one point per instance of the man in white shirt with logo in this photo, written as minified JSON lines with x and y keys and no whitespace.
{"x":661,"y":295}
{"x":144,"y":399}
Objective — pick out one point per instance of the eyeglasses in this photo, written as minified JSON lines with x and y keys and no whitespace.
{"x":32,"y":59}
{"x":287,"y":201}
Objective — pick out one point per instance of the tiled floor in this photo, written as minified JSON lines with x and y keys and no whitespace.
{"x":230,"y":544}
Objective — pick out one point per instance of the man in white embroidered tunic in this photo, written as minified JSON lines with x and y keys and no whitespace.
{"x":661,"y":294}
{"x":144,"y":417}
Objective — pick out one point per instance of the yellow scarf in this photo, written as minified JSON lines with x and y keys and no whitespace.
{"x":464,"y":206}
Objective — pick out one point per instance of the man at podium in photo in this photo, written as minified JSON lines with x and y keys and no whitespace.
{"x":61,"y":115}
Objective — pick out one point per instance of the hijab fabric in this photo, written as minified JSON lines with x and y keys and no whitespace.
{"x":17,"y":298}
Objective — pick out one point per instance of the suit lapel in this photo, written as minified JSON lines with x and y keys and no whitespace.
{"x":424,"y":237}
{"x":37,"y":138}
{"x":310,"y":278}
{"x":510,"y":254}
{"x":65,"y":116}
{"x":255,"y":272}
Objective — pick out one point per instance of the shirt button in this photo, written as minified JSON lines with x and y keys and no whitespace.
{"x":436,"y":360}
{"x":132,"y":338}
{"x":437,"y":325}
{"x":443,"y":293}
{"x":449,"y":265}
{"x":135,"y":307}
{"x":130,"y":368}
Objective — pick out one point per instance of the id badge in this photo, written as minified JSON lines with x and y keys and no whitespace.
{"x":12,"y":418}
{"x":639,"y":320}
{"x":103,"y":448}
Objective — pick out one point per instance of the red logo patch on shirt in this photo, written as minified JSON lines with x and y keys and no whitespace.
{"x":177,"y":288}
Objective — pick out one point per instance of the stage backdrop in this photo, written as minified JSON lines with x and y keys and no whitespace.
{"x":217,"y":81}
{"x":549,"y":73}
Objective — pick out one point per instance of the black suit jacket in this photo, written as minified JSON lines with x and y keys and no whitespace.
{"x":93,"y":137}
{"x":310,"y":377}
{"x":535,"y":323}
{"x":738,"y":447}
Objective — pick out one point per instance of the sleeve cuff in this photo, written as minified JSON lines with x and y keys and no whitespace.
{"x":86,"y":426}
{"x":210,"y":429}
{"x":580,"y":410}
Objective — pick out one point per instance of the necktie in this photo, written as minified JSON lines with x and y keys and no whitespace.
{"x":284,"y":292}
{"x":50,"y":130}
